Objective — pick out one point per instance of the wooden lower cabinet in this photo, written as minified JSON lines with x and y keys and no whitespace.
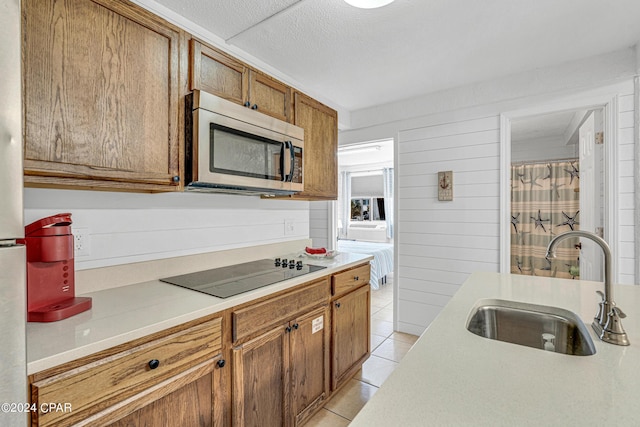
{"x":350,"y":323}
{"x":189,"y":401}
{"x":281,"y":377}
{"x":171,"y":376}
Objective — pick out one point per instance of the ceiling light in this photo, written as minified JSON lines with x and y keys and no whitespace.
{"x":368,"y":4}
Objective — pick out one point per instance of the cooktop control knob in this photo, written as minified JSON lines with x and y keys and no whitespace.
{"x":284,"y":260}
{"x":299,"y":263}
{"x":277,"y":260}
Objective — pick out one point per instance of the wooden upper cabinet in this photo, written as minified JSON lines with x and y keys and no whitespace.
{"x":269,"y":96}
{"x":320,"y":124}
{"x":101,"y":96}
{"x":212,"y":71}
{"x":215,"y":72}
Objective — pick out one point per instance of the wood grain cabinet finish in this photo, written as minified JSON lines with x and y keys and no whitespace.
{"x":350,"y":324}
{"x":101,"y":96}
{"x":255,"y":318}
{"x":281,"y":377}
{"x":215,"y":72}
{"x":105,"y":389}
{"x":349,"y":280}
{"x":320,"y":124}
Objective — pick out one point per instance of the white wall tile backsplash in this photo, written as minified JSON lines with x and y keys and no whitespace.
{"x":128,"y":227}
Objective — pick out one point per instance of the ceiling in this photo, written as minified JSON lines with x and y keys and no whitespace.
{"x":359,"y":58}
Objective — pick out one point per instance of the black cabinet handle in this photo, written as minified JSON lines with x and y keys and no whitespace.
{"x":221,"y":363}
{"x":356,"y":278}
{"x":288,"y":329}
{"x":254,"y":107}
{"x":247,"y":104}
{"x":337,"y":305}
{"x":296,"y":326}
{"x":176,"y":178}
{"x":154,"y":363}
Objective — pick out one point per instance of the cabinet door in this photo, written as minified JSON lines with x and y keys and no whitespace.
{"x":350,"y":325}
{"x":214,"y":72}
{"x":320,"y":124}
{"x":101,"y":101}
{"x":190,"y":403}
{"x":309,"y":363}
{"x":261,"y":380}
{"x":269,"y":96}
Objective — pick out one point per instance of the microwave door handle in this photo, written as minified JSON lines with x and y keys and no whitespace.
{"x":282,"y":148}
{"x":292,"y":165}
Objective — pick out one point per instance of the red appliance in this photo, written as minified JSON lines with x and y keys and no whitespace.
{"x":50,"y":270}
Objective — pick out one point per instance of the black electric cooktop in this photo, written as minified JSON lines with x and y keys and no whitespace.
{"x":232,"y":280}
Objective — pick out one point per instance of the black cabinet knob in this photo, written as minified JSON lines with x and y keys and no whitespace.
{"x":221,"y":363}
{"x":247,"y":104}
{"x":176,"y":178}
{"x":337,"y":305}
{"x":296,"y":326}
{"x":356,"y":278}
{"x":254,"y":107}
{"x":288,"y":329}
{"x":154,"y":363}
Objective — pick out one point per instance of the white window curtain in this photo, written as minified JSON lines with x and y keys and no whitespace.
{"x":387,"y":174}
{"x":344,"y":199}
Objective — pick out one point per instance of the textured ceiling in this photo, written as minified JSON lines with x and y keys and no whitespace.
{"x":362,"y":58}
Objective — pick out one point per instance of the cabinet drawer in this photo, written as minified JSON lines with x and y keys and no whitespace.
{"x":92,"y":387}
{"x":350,"y":279}
{"x":255,"y":318}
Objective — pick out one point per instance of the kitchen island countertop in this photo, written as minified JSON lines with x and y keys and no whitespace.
{"x":122,"y":314}
{"x":453,"y":377}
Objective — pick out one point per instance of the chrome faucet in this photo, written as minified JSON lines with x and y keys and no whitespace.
{"x":606,"y":322}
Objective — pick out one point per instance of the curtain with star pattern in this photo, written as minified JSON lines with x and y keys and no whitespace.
{"x":545,"y":202}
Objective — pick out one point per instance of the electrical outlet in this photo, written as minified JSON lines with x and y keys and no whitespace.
{"x":289,"y":228}
{"x":81,"y":242}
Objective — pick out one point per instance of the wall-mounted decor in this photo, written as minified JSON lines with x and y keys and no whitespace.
{"x":445,"y":186}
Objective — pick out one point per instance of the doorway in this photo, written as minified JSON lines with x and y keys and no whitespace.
{"x":571,"y":170}
{"x":556,"y":171}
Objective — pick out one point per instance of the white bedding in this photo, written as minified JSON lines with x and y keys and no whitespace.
{"x":382,"y":262}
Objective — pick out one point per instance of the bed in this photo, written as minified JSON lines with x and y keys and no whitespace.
{"x":382,"y":262}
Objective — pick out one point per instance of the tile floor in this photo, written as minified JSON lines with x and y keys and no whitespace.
{"x":387,"y":349}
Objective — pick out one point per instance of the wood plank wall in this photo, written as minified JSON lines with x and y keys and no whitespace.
{"x":127,"y":228}
{"x":626,"y":210}
{"x":441,"y":243}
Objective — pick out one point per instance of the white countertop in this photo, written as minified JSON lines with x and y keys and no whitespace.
{"x":122,"y":314}
{"x":453,"y":377}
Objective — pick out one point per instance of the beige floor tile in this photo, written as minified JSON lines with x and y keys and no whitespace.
{"x":351,"y":398}
{"x":381,"y":327}
{"x":383,"y":314}
{"x":401,"y":336}
{"x":376,"y":340}
{"x":376,"y":370}
{"x":392,"y":350}
{"x":326,"y":418}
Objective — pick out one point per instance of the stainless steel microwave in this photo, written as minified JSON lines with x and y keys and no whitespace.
{"x":233,"y":149}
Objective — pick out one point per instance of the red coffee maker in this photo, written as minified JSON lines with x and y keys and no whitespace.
{"x":50,"y":270}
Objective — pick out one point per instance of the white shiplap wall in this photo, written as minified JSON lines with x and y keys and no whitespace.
{"x":441,"y":243}
{"x":126,"y":227}
{"x":626,"y":211}
{"x":318,"y":224}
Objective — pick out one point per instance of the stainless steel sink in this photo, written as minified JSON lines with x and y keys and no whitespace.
{"x":537,"y":326}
